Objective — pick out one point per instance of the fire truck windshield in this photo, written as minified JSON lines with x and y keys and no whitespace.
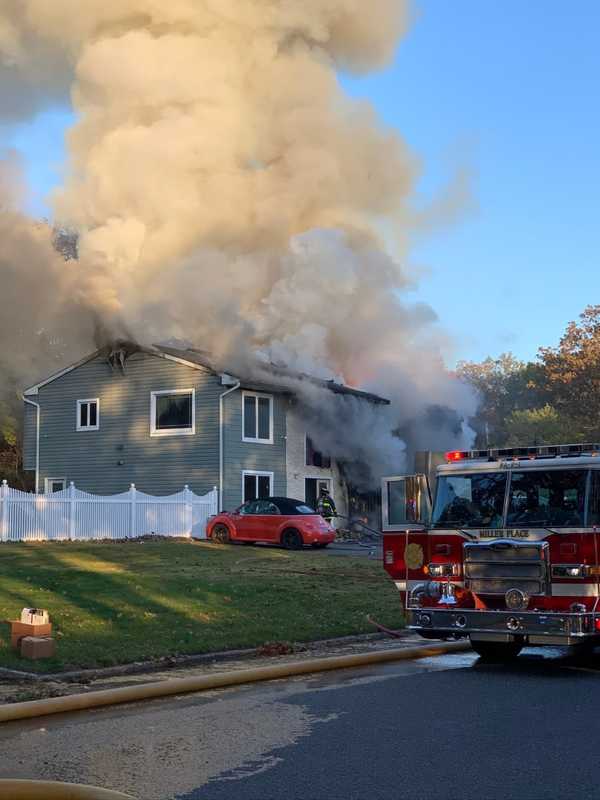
{"x":547,"y":498}
{"x":475,"y":500}
{"x":536,"y":498}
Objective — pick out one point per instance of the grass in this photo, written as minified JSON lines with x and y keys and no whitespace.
{"x":117,"y":603}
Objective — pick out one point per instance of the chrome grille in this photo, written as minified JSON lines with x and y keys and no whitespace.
{"x":496,"y":567}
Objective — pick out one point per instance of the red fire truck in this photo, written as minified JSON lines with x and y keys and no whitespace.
{"x":508,"y":554}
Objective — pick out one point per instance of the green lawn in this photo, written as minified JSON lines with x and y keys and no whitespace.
{"x":114,"y":603}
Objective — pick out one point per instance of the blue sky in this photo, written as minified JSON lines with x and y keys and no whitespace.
{"x":508,"y":88}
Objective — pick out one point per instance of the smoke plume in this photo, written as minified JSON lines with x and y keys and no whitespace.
{"x":228,"y":193}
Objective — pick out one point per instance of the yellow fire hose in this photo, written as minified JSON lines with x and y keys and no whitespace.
{"x":217,"y":680}
{"x":43,"y":790}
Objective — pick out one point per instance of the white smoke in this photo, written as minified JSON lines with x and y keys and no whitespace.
{"x":227,"y":192}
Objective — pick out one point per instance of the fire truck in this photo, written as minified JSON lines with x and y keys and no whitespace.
{"x":508,"y":553}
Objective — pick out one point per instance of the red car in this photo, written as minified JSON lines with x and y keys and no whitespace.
{"x":278,"y":520}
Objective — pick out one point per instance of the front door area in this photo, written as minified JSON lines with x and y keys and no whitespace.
{"x":312,"y":490}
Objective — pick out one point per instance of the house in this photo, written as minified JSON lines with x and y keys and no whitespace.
{"x":161,"y":418}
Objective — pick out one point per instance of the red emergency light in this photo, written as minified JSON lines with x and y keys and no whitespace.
{"x":456,"y":455}
{"x":530,"y":453}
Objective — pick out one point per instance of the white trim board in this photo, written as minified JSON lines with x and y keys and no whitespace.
{"x":33,"y":390}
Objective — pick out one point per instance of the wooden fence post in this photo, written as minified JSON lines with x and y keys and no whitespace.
{"x":132,"y":520}
{"x":4,"y":511}
{"x":71,"y":511}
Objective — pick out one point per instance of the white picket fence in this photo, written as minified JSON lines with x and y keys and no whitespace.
{"x":78,"y":516}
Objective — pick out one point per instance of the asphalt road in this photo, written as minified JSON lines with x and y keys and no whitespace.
{"x":438,"y":728}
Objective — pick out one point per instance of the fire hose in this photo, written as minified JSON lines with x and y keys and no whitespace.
{"x":45,"y":790}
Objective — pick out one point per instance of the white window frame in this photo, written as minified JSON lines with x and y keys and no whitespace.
{"x":48,"y":481}
{"x":78,"y":425}
{"x":257,"y":395}
{"x":154,"y":431}
{"x":257,"y":474}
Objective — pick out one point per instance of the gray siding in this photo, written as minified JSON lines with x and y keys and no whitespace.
{"x":29,"y":429}
{"x":157,"y":465}
{"x":240,"y":455}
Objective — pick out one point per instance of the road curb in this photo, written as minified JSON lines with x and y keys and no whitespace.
{"x":218,"y":680}
{"x":176,"y":662}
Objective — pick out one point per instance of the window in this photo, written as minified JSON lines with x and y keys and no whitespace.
{"x":256,"y":485}
{"x":315,"y":458}
{"x":88,"y":415}
{"x":551,"y":497}
{"x":173,"y":413}
{"x":594,"y":501}
{"x":470,"y":501}
{"x":55,"y":485}
{"x":258,"y":417}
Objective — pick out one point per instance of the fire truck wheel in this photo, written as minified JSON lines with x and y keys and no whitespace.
{"x":496,"y":651}
{"x":586,"y":649}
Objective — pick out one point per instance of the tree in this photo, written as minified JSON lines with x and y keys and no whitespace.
{"x":537,"y":426}
{"x":504,"y":385}
{"x":572,"y":372}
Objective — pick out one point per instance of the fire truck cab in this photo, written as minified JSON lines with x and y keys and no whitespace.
{"x":508,"y":552}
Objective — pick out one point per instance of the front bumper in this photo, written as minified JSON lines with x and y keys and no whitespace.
{"x":529,"y":627}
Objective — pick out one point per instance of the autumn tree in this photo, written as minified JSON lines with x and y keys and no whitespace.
{"x":504,"y":385}
{"x":572,"y":373}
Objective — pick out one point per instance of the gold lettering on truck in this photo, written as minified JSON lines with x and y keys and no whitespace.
{"x":495,"y":533}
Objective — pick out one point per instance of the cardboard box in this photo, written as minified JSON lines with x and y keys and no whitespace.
{"x":20,"y":629}
{"x":35,"y":647}
{"x":35,"y":616}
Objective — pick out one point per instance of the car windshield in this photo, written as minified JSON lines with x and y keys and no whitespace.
{"x":470,"y":501}
{"x":552,"y":497}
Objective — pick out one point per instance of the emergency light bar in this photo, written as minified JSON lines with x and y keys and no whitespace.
{"x":507,"y":453}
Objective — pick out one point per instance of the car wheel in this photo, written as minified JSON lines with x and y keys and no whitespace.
{"x":291,"y":540}
{"x":221,"y":534}
{"x":496,"y":652}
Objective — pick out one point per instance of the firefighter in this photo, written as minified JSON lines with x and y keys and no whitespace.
{"x":325,"y":506}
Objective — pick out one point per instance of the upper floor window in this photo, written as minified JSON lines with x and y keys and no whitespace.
{"x":88,"y":415}
{"x":314,"y":457}
{"x":173,"y":413}
{"x":258,"y":417}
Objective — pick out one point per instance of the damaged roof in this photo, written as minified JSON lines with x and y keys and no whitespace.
{"x":283,"y":378}
{"x":279,"y":373}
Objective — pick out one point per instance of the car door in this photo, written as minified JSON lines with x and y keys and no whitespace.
{"x":245,"y":520}
{"x":265,"y":521}
{"x":270,"y":520}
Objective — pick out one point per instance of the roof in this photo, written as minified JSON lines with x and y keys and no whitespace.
{"x":278,"y":373}
{"x":273,"y":378}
